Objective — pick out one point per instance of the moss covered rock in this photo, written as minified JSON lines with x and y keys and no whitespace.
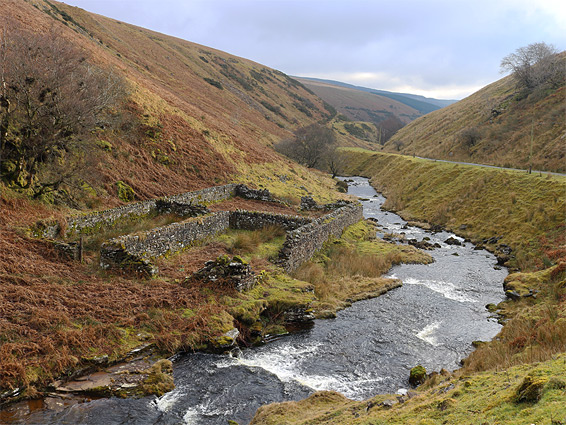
{"x":417,"y":375}
{"x":159,"y":379}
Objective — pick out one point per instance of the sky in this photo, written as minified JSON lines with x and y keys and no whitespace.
{"x":446,"y":49}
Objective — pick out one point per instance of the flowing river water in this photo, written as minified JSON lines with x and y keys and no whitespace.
{"x":367,"y":349}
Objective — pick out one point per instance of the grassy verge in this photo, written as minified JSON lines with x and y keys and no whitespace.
{"x":527,"y":211}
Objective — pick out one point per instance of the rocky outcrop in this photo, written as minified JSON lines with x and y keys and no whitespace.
{"x":424,"y":244}
{"x":453,"y":241}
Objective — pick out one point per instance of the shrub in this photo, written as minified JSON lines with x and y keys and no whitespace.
{"x":214,"y":83}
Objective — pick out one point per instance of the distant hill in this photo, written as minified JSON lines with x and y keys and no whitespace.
{"x":498,"y":125}
{"x":422,"y":104}
{"x":386,"y":111}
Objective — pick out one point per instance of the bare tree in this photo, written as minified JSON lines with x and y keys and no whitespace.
{"x":533,"y":65}
{"x":309,"y":146}
{"x":334,"y":161}
{"x":52,"y":100}
{"x":398,"y":145}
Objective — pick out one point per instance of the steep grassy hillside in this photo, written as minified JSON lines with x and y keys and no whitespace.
{"x":516,"y":378}
{"x":194,"y":116}
{"x":499,"y":125}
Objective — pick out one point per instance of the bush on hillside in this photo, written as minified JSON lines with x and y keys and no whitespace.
{"x":52,"y":101}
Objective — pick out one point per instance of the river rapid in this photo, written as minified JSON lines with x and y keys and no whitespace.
{"x":367,"y":349}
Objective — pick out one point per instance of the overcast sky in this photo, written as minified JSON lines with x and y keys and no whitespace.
{"x":445,"y":49}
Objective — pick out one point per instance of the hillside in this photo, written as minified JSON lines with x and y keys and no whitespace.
{"x":359,"y":105}
{"x":193,"y":116}
{"x":422,"y":104}
{"x":382,"y":112}
{"x":498,"y":125}
{"x":190,"y":117}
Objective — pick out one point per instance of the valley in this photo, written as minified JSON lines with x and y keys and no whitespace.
{"x":177,"y":244}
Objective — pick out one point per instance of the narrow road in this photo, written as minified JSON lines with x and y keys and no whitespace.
{"x":490,"y":166}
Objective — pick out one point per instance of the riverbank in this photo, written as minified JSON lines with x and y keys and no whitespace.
{"x":521,"y":395}
{"x":174,"y":312}
{"x":369,"y":347}
{"x":519,"y":217}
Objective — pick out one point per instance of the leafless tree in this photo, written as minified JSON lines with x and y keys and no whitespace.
{"x":533,"y":65}
{"x":309,"y":146}
{"x":470,"y":136}
{"x":334,"y":161}
{"x":398,"y":145}
{"x":52,"y":100}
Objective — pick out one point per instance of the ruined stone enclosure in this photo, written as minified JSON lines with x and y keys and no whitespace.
{"x":138,"y":251}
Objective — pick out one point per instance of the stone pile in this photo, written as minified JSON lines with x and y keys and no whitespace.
{"x":233,"y":272}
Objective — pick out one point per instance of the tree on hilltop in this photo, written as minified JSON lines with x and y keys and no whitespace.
{"x":534,"y":65}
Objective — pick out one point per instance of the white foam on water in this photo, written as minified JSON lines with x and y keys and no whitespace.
{"x":191,"y":416}
{"x":427,"y":334}
{"x":446,"y":289}
{"x":351,"y":388}
{"x":281,"y":362}
{"x":165,"y":402}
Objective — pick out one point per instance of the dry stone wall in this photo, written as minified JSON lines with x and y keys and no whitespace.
{"x":304,"y":237}
{"x":301,"y":244}
{"x":137,"y":251}
{"x":252,"y":220}
{"x":90,"y":223}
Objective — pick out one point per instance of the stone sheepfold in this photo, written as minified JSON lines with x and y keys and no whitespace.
{"x":304,"y":237}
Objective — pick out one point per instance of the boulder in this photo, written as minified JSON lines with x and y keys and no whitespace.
{"x":422,"y":244}
{"x":453,"y":241}
{"x":530,"y":390}
{"x":417,"y":375}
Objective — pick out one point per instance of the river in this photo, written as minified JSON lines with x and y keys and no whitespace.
{"x":367,"y":349}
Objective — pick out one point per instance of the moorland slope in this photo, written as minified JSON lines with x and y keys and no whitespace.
{"x":501,"y":124}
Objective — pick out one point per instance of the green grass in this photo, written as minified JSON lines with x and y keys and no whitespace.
{"x":487,"y":398}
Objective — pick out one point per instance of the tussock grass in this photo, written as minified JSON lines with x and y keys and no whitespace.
{"x":262,"y":243}
{"x":536,"y":329}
